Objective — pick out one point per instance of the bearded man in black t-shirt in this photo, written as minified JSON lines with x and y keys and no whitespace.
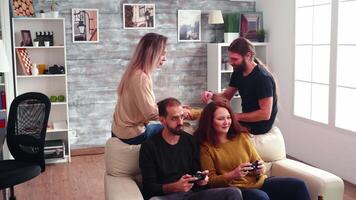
{"x":255,"y":85}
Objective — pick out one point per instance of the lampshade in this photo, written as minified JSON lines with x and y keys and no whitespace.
{"x":4,"y":63}
{"x":215,"y":17}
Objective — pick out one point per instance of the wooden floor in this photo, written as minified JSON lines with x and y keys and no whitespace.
{"x":83,"y":179}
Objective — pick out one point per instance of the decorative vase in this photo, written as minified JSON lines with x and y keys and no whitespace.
{"x":34,"y":70}
{"x":54,"y":14}
{"x":229,"y":37}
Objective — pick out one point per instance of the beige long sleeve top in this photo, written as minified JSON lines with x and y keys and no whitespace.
{"x":135,"y":107}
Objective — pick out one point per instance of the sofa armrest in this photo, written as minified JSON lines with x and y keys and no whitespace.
{"x":319,"y":182}
{"x":121,"y":188}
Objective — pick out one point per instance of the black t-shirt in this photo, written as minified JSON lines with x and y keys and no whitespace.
{"x":257,"y":85}
{"x":162,"y":163}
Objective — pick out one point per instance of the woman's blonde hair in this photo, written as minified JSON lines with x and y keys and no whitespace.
{"x":146,"y":56}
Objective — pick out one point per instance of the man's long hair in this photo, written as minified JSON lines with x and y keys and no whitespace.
{"x":242,"y":46}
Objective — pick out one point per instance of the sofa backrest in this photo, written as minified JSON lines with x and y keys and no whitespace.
{"x":121,"y":159}
{"x":270,"y":146}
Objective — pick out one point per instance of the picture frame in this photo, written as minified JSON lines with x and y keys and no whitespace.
{"x":250,"y":24}
{"x":26,"y":38}
{"x":85,"y":25}
{"x":138,"y":16}
{"x":189,"y":26}
{"x":22,"y":8}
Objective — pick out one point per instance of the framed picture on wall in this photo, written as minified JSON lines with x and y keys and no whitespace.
{"x":250,"y":23}
{"x":85,"y":25}
{"x":138,"y":16}
{"x":189,"y":25}
{"x":22,"y":8}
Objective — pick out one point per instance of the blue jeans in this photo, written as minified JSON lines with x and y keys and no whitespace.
{"x":278,"y":188}
{"x":224,"y":193}
{"x":151,"y":130}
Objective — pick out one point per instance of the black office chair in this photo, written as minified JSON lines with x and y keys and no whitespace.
{"x":26,"y":131}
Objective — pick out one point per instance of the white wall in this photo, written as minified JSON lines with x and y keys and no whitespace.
{"x":322,"y":146}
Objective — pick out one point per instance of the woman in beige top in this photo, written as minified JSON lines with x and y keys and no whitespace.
{"x":136,"y":104}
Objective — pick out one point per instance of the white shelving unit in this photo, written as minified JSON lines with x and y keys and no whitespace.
{"x":219,"y":70}
{"x":49,"y":84}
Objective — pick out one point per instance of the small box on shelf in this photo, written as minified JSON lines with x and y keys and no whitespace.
{"x":54,"y":149}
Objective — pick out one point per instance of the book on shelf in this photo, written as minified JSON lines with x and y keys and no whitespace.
{"x":3,"y":100}
{"x":2,"y":123}
{"x":24,"y":60}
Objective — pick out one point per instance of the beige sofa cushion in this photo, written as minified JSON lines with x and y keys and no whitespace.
{"x":121,"y":159}
{"x":270,"y":146}
{"x":319,"y":182}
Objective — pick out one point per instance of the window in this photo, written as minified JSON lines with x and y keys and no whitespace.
{"x":312,"y":59}
{"x":345,"y":80}
{"x":321,"y":48}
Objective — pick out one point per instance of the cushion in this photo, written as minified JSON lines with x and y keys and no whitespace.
{"x":270,"y":146}
{"x":121,"y":158}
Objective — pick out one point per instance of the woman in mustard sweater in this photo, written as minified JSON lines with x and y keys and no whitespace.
{"x":233,"y":161}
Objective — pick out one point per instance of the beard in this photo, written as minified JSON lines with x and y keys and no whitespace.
{"x":177,"y":130}
{"x":241,"y":66}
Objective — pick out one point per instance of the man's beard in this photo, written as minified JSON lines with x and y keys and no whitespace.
{"x":241,"y":66}
{"x":176,"y":131}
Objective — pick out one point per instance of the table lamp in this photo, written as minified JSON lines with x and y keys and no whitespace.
{"x":4,"y":63}
{"x":215,"y":17}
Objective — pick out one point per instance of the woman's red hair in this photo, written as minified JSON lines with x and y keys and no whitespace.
{"x":206,"y":131}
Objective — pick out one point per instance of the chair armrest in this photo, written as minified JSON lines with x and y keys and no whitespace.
{"x":121,"y":187}
{"x":319,"y":182}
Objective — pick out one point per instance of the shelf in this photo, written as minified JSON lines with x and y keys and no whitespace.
{"x":236,"y":97}
{"x":41,"y":47}
{"x":227,"y":71}
{"x":3,"y":110}
{"x":41,"y":76}
{"x":228,"y":44}
{"x":56,"y":130}
{"x":2,"y":84}
{"x":57,"y":160}
{"x":36,"y":18}
{"x":58,"y":103}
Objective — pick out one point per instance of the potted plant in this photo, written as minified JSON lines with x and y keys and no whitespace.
{"x":231,"y":26}
{"x":54,"y":10}
{"x":42,"y":14}
{"x":260,"y":34}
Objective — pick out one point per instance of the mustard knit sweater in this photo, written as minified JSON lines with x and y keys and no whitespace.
{"x":228,"y":156}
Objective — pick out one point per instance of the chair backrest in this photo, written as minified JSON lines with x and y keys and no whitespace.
{"x":27,"y":126}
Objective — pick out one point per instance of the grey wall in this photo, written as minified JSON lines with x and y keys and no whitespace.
{"x":94,"y":70}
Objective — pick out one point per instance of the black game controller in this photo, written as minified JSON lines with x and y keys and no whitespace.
{"x":254,"y":165}
{"x":199,"y":176}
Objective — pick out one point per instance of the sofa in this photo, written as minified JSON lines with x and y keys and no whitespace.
{"x":122,"y":179}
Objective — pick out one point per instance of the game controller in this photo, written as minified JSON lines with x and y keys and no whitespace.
{"x":254,"y":165}
{"x":199,"y":176}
